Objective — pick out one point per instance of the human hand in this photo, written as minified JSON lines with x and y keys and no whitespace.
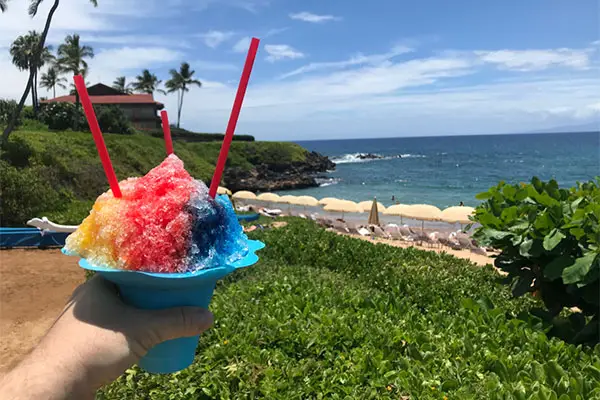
{"x":94,"y":340}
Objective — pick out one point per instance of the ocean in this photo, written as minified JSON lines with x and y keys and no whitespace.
{"x":444,"y":171}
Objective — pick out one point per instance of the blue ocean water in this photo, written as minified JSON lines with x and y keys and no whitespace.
{"x":444,"y":171}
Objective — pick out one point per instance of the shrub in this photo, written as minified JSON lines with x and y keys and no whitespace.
{"x":25,"y":193}
{"x":7,"y":108}
{"x":323,"y":316}
{"x":62,"y":116}
{"x":550,"y":245}
{"x":112,"y":119}
{"x":28,"y":113}
{"x":189,"y":136}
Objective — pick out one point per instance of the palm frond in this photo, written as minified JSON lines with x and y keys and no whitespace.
{"x":33,"y":7}
{"x":3,"y":5}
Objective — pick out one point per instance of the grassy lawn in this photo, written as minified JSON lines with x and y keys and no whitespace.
{"x":327,"y":316}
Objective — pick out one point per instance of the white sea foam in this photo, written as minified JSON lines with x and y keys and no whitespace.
{"x":353,"y":158}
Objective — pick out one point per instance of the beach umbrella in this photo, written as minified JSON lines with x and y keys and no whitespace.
{"x":368,"y":204}
{"x":458,"y":214}
{"x":423,"y":212}
{"x":326,"y":200}
{"x":343,"y":206}
{"x":305,"y":201}
{"x":374,"y":214}
{"x":224,"y":190}
{"x":268,"y":197}
{"x":397,"y":210}
{"x":244,"y":195}
{"x":287,"y":199}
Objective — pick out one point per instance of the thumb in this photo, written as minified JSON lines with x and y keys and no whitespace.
{"x":173,"y":323}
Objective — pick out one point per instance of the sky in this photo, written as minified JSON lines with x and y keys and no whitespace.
{"x":335,"y":69}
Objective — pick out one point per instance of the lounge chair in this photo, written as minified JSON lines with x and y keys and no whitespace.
{"x":340,"y":227}
{"x":362,"y":231}
{"x":378,"y":232}
{"x":394,"y":231}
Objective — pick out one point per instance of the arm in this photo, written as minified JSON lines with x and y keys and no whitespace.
{"x":93,"y":341}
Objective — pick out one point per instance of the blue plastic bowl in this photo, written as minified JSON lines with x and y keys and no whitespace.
{"x":155,"y":291}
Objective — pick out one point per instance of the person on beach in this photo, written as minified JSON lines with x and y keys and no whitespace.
{"x":93,"y":341}
{"x":461,"y":204}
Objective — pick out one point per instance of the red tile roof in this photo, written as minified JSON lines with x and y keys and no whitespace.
{"x":121,"y":99}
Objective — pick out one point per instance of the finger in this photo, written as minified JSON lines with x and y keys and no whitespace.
{"x":173,"y":323}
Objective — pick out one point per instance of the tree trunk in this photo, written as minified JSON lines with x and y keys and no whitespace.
{"x":180,"y":106}
{"x":13,"y":120}
{"x":35,"y":92}
{"x":53,"y":90}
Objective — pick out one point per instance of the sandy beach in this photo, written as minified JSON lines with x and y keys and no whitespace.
{"x":34,"y":287}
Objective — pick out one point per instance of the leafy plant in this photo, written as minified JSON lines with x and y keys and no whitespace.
{"x":112,"y":119}
{"x":62,"y":116}
{"x":7,"y":109}
{"x":550,"y":246}
{"x":326,"y":316}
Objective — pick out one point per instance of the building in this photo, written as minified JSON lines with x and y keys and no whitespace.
{"x":139,"y":108}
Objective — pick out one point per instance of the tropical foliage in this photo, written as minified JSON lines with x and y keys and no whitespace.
{"x":33,"y":9}
{"x":72,"y":57}
{"x":326,"y":316}
{"x":51,"y":79}
{"x":26,"y":56}
{"x":121,"y":85}
{"x":180,"y":82}
{"x":7,"y":109}
{"x":147,"y":82}
{"x":550,"y":243}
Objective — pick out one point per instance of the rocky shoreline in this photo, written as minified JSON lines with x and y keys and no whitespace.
{"x":272,"y":177}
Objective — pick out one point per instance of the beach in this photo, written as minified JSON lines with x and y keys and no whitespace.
{"x":34,"y":287}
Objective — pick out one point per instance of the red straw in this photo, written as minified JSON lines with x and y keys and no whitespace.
{"x":167,"y":131}
{"x":235,"y":113}
{"x":95,"y":128}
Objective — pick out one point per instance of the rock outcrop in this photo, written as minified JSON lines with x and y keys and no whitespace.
{"x":271,"y":177}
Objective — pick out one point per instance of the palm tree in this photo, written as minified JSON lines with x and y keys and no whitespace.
{"x":147,"y":82}
{"x":121,"y":85}
{"x":71,"y":57}
{"x":180,"y":82}
{"x":51,"y":79}
{"x":3,"y":5}
{"x":25,"y":57}
{"x":33,"y":8}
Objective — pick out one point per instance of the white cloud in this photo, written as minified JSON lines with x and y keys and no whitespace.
{"x":134,"y":58}
{"x":242,"y":45}
{"x":204,"y":65}
{"x":358,"y":59}
{"x":281,"y":51}
{"x":314,"y":18}
{"x":214,"y":38}
{"x":533,"y":60}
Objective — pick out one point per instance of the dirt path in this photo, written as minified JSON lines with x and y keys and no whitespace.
{"x":34,"y":287}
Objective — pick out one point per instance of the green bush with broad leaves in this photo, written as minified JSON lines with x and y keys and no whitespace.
{"x":324,"y":316}
{"x":550,"y":246}
{"x":62,"y":116}
{"x":7,"y":108}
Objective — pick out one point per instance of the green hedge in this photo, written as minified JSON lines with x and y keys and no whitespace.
{"x":326,"y":316}
{"x":189,"y":136}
